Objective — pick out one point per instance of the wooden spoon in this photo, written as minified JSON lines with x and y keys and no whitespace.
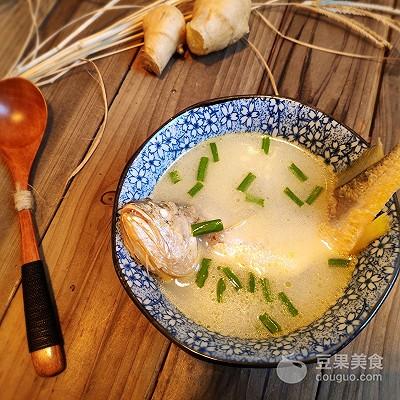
{"x":23,"y":117}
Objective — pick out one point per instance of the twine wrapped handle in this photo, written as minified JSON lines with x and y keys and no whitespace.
{"x":40,"y":318}
{"x":42,"y":326}
{"x":23,"y":200}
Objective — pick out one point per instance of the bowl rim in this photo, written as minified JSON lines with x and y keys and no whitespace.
{"x":154,"y":322}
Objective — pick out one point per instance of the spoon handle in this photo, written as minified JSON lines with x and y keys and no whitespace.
{"x":42,"y":325}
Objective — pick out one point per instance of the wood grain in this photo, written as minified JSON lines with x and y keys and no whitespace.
{"x":207,"y":381}
{"x":337,"y":85}
{"x":112,"y":350}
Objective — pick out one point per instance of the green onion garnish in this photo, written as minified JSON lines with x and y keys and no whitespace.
{"x":214,"y":152}
{"x":246,"y":182}
{"x":289,"y":305}
{"x":252,"y":283}
{"x":204,"y":227}
{"x":293,"y":197}
{"x":338,"y":262}
{"x":201,"y":171}
{"x":269,"y":323}
{"x":195,"y":189}
{"x":202,"y":273}
{"x":254,"y":199}
{"x":265,"y":144}
{"x":233,"y":279}
{"x":174,"y":176}
{"x":297,"y":172}
{"x":314,"y":194}
{"x":220,"y":289}
{"x":266,"y":289}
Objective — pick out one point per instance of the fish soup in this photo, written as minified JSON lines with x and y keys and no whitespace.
{"x":269,"y":271}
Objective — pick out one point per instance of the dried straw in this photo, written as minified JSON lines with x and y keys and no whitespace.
{"x":62,"y":71}
{"x":69,"y":50}
{"x":99,"y":135}
{"x":313,"y":46}
{"x":74,"y":21}
{"x":264,"y":62}
{"x":387,"y":21}
{"x":363,"y":30}
{"x":34,"y":15}
{"x":356,"y":4}
{"x":34,"y":29}
{"x":358,"y":27}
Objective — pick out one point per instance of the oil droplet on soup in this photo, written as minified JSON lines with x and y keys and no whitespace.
{"x":279,"y":241}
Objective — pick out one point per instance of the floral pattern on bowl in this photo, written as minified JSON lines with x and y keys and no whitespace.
{"x":373,"y":277}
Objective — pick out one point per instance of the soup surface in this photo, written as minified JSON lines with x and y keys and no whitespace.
{"x":279,"y":241}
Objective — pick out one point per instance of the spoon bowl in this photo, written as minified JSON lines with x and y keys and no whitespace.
{"x":23,"y":117}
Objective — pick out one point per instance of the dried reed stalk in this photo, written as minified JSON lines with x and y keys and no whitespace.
{"x":387,"y":21}
{"x":357,"y":27}
{"x":99,"y":135}
{"x":364,"y":6}
{"x":265,"y":64}
{"x":70,"y":50}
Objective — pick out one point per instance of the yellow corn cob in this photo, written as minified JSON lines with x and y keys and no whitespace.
{"x":358,"y":202}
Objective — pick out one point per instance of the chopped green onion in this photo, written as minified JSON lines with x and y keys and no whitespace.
{"x":233,"y":279}
{"x":202,"y":273}
{"x":195,"y":189}
{"x":252,"y":283}
{"x":297,"y":172}
{"x":214,"y":152}
{"x":266,"y":289}
{"x":174,"y":176}
{"x":289,"y":305}
{"x":246,"y":182}
{"x":269,"y":323}
{"x":314,"y":194}
{"x":201,"y":171}
{"x":254,"y":199}
{"x":339,"y":262}
{"x":220,"y":289}
{"x":293,"y":197}
{"x":265,"y":144}
{"x":204,"y":227}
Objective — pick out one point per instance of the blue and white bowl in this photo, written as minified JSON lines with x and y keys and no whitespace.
{"x":373,"y":277}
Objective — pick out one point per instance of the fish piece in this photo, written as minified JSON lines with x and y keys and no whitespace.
{"x":158,"y":235}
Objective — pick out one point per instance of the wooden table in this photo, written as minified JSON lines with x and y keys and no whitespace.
{"x":113,"y":352}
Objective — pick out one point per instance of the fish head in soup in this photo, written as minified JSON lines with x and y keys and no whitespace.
{"x":158,"y":235}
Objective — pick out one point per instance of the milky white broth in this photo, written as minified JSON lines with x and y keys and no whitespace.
{"x":279,"y":241}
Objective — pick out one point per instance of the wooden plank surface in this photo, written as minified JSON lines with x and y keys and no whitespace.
{"x":113,"y":352}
